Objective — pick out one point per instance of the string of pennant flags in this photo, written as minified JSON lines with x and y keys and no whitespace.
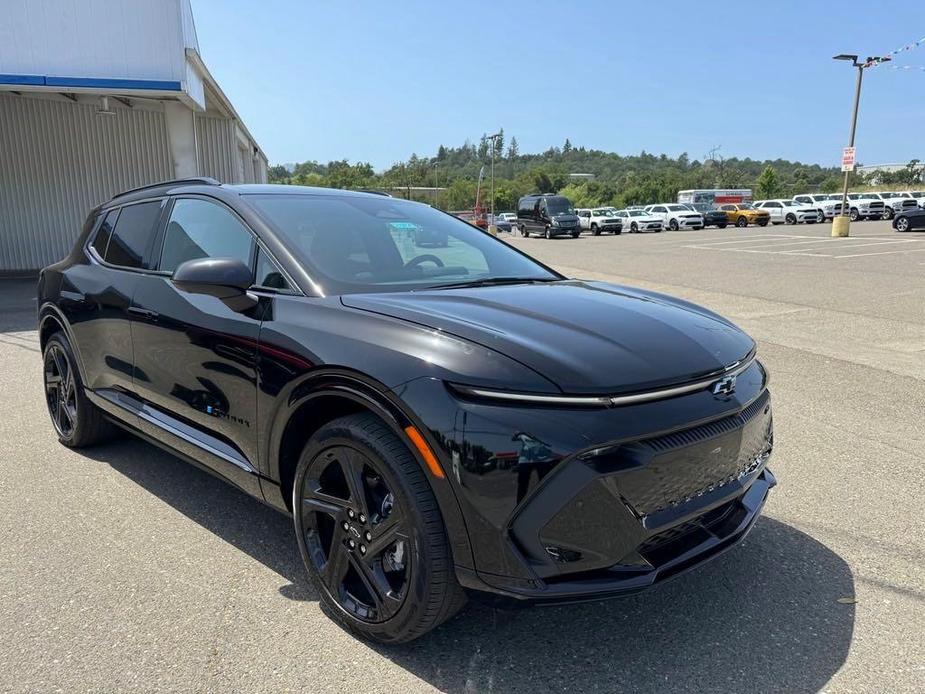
{"x":889,"y":56}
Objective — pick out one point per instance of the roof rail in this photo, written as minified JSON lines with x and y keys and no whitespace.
{"x":204,"y":180}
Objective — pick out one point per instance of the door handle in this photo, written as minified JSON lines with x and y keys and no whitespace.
{"x":143,"y":312}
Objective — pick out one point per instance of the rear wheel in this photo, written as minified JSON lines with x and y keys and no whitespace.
{"x":888,"y":213}
{"x":721,"y":226}
{"x":742,"y":222}
{"x":576,"y":233}
{"x":523,"y":230}
{"x":763,"y":223}
{"x":77,"y":421}
{"x":901,"y":224}
{"x":370,"y":532}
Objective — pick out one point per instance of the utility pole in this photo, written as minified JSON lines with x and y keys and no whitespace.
{"x":494,"y":146}
{"x":841,"y":224}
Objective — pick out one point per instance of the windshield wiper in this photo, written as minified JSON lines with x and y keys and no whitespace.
{"x":493,"y":281}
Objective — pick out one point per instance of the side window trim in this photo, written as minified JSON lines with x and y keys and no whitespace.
{"x":291,"y":291}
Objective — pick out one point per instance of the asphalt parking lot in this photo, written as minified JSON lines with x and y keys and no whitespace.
{"x":125,"y":568}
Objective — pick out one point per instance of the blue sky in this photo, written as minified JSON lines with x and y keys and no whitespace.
{"x":376,"y":81}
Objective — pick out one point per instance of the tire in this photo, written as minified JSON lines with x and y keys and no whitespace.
{"x":594,"y":230}
{"x":673,"y":224}
{"x":523,"y":231}
{"x":576,"y":234}
{"x":901,"y":224}
{"x":548,"y":232}
{"x":617,"y":232}
{"x":853,"y":214}
{"x":77,"y":421}
{"x":763,"y":224}
{"x":722,"y":226}
{"x":402,"y":586}
{"x":790,"y":218}
{"x":888,"y":213}
{"x":741,"y":222}
{"x":634,"y":228}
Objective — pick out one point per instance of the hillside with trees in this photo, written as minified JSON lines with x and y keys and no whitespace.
{"x":618,"y":180}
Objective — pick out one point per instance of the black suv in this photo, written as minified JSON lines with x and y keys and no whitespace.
{"x":437,"y":420}
{"x":548,"y":215}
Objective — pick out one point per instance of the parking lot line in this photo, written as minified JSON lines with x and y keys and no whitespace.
{"x":750,"y":239}
{"x":861,"y":255}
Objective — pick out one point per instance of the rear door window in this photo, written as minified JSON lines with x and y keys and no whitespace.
{"x":132,"y":234}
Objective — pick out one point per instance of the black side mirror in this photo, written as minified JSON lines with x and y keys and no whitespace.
{"x":227,"y":279}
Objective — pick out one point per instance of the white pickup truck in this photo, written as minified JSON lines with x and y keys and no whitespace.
{"x":896,"y":203}
{"x":829,"y":204}
{"x":865,"y":206}
{"x":599,"y":219}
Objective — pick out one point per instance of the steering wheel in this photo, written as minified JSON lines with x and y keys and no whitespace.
{"x":417,"y":260}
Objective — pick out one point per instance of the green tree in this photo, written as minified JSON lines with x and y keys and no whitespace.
{"x":512,"y":150}
{"x":768,"y":184}
{"x":277,"y":174}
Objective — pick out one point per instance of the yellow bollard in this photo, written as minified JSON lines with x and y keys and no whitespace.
{"x":840,"y":227}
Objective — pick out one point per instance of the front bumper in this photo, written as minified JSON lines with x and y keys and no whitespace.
{"x":565,"y":504}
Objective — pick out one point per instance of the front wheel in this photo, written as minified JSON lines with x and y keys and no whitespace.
{"x":594,"y":230}
{"x":721,"y":226}
{"x":901,"y":224}
{"x":370,"y":532}
{"x":523,"y":231}
{"x":742,"y":222}
{"x":791,"y":218}
{"x":853,"y":214}
{"x":673,"y":225}
{"x":633,"y":228}
{"x":548,"y":232}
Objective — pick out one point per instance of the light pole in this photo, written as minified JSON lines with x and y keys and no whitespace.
{"x":494,"y":143}
{"x":841,"y":223}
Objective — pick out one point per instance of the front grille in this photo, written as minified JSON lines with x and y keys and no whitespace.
{"x":678,"y":467}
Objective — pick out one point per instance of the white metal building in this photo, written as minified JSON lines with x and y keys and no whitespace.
{"x":97,"y":96}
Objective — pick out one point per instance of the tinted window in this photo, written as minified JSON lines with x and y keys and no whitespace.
{"x":104,"y":232}
{"x":358,"y":243}
{"x":203,"y":229}
{"x":525,"y":207}
{"x":558,"y":205}
{"x":268,"y":273}
{"x":132,"y":234}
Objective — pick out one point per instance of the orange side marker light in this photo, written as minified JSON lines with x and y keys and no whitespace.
{"x":429,"y":458}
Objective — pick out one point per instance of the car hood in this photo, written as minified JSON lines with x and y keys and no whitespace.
{"x":586,"y":337}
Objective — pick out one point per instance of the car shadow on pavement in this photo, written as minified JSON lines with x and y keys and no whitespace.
{"x":763,"y":617}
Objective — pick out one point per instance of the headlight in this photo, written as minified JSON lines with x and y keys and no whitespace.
{"x":555,"y":222}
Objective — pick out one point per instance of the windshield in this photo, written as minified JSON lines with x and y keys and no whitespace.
{"x":558,"y":205}
{"x":351,"y":244}
{"x":745,"y":206}
{"x":602,"y":213}
{"x":638,"y":213}
{"x":677,"y":208}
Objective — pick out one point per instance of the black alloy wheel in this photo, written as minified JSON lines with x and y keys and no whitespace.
{"x":370,"y":532}
{"x":77,"y":421}
{"x":673,"y":224}
{"x":791,"y":218}
{"x":523,"y":230}
{"x":633,"y":228}
{"x":721,"y":226}
{"x":60,"y":390}
{"x":742,"y":222}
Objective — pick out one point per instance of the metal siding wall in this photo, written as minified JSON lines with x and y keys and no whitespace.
{"x":216,"y":143}
{"x":59,"y":159}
